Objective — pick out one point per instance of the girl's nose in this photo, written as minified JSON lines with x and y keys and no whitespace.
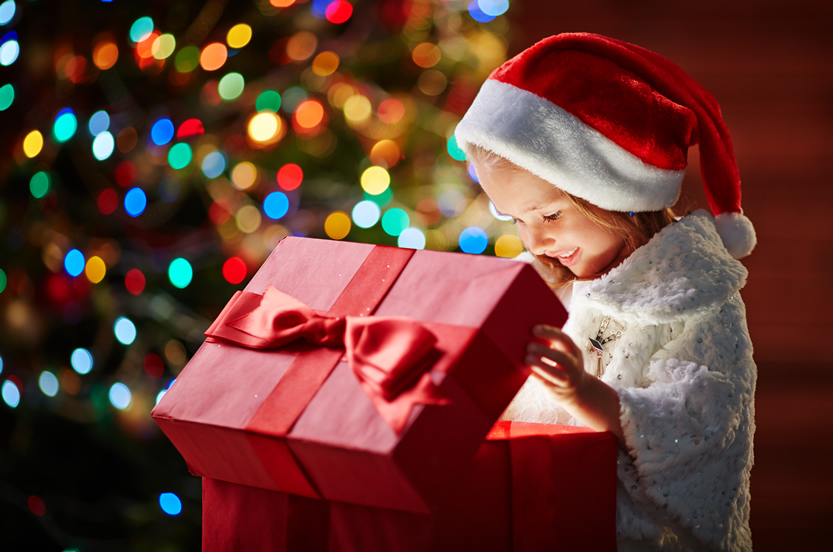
{"x":537,"y":240}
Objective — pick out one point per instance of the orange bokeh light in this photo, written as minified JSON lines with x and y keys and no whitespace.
{"x":391,"y":111}
{"x":144,"y":49}
{"x":309,"y":114}
{"x":105,"y":55}
{"x":213,"y":56}
{"x":281,"y":3}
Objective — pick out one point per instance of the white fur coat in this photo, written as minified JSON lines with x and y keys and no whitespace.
{"x":683,"y":370}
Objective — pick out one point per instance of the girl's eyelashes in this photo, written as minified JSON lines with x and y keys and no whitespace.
{"x":552,"y":217}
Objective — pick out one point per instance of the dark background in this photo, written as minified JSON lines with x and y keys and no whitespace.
{"x":770,"y":65}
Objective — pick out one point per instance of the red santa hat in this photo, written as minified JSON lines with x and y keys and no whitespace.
{"x":611,"y":123}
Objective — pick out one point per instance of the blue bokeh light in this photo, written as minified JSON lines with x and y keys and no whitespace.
{"x":477,"y":13}
{"x":81,"y":360}
{"x":125,"y":330}
{"x":162,"y":132}
{"x":213,"y":164}
{"x":473,"y":240}
{"x":473,"y":173}
{"x":74,"y":262}
{"x":7,"y":10}
{"x":48,"y":383}
{"x":135,"y":202}
{"x":99,"y":122}
{"x":170,"y":504}
{"x":366,"y":213}
{"x":411,"y":238}
{"x":103,"y":145}
{"x":493,"y":8}
{"x":276,"y":205}
{"x":11,"y":394}
{"x":120,"y":396}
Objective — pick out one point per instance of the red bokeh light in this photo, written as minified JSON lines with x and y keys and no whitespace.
{"x":108,"y":200}
{"x":37,"y":506}
{"x":219,"y":211}
{"x":339,"y":11}
{"x":234,"y":270}
{"x":191,"y":127}
{"x":290,"y":176}
{"x":134,"y":281}
{"x":154,"y":365}
{"x":125,"y":174}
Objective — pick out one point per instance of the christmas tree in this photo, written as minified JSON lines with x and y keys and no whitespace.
{"x":152,"y":157}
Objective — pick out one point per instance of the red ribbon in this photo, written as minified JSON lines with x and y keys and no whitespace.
{"x":389,"y":355}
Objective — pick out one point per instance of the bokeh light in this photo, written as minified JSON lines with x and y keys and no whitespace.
{"x":426,"y":55}
{"x":432,"y":82}
{"x":337,"y":225}
{"x":124,"y":330}
{"x":366,"y":213}
{"x":357,"y":109}
{"x":191,"y":127}
{"x":9,"y":52}
{"x":325,"y":64}
{"x":105,"y":54}
{"x":473,"y":240}
{"x":108,"y":201}
{"x":213,"y":56}
{"x":39,"y":184}
{"x":154,"y":365}
{"x":395,"y":221}
{"x":99,"y":122}
{"x":381,"y":199}
{"x":454,"y":149}
{"x":141,"y":29}
{"x":375,"y":180}
{"x":309,"y":114}
{"x":6,"y":96}
{"x":497,"y":215}
{"x":33,"y":143}
{"x":239,"y":35}
{"x":301,"y":46}
{"x":234,"y":270}
{"x":36,"y":505}
{"x":135,"y":202}
{"x":451,"y":203}
{"x":103,"y":145}
{"x":391,"y":111}
{"x":95,"y":270}
{"x":276,"y":205}
{"x":385,"y":153}
{"x":180,"y":273}
{"x":163,"y":46}
{"x":493,"y":8}
{"x":292,"y":98}
{"x":339,"y":11}
{"x":411,"y":238}
{"x":472,"y":172}
{"x":7,"y":10}
{"x":290,"y":176}
{"x":179,"y":156}
{"x":268,"y":101}
{"x":508,"y":246}
{"x":187,"y":59}
{"x":244,"y":175}
{"x":81,"y":361}
{"x":120,"y":395}
{"x":477,"y":13}
{"x":11,"y":394}
{"x":213,"y":164}
{"x":170,"y":504}
{"x":248,"y":219}
{"x":263,"y":126}
{"x":231,"y":86}
{"x":48,"y":383}
{"x":3,"y":280}
{"x":162,"y":131}
{"x":74,"y":262}
{"x":65,"y":125}
{"x":134,"y":281}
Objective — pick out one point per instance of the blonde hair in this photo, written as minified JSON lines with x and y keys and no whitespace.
{"x":635,"y":230}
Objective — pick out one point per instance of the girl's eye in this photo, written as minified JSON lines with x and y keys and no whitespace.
{"x":554,"y":216}
{"x":514,"y":221}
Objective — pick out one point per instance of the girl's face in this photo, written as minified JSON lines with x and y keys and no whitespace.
{"x":549,"y":223}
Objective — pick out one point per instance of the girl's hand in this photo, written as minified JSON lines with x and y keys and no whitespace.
{"x":560,"y":365}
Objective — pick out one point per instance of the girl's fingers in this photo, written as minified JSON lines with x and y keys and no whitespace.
{"x":566,"y":360}
{"x":551,"y":375}
{"x":559,"y":339}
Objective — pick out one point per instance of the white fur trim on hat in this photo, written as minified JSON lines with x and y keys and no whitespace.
{"x":546,"y":140}
{"x":737,"y":233}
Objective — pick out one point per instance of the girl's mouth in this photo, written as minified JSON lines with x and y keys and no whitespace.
{"x":570,"y":258}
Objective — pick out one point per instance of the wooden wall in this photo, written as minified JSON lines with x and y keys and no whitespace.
{"x":770,"y":65}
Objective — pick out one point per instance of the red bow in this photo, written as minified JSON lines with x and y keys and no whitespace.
{"x":390,"y":355}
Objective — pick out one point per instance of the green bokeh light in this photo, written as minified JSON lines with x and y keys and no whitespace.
{"x":179,"y":156}
{"x":231,"y":86}
{"x":187,"y":59}
{"x":381,"y":199}
{"x":141,"y":29}
{"x":180,"y":273}
{"x":394,"y":221}
{"x":454,"y":149}
{"x":268,"y":101}
{"x":6,"y":96}
{"x":3,"y":280}
{"x":39,"y":184}
{"x":64,"y":127}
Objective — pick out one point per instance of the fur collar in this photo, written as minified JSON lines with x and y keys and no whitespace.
{"x":683,"y":271}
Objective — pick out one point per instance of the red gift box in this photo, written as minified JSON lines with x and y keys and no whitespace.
{"x":530,"y":487}
{"x":302,"y":418}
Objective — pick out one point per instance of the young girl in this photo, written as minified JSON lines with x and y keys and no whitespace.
{"x":583,"y":140}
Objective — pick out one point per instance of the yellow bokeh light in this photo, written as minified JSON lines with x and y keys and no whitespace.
{"x":33,"y":143}
{"x":301,"y":46}
{"x":508,"y":246}
{"x":244,"y":175}
{"x":426,"y":55}
{"x":375,"y":180}
{"x":264,"y":126}
{"x":357,"y":109}
{"x":95,"y":269}
{"x":175,"y":352}
{"x":339,"y":93}
{"x":239,"y":35}
{"x":325,"y":64}
{"x":163,"y":46}
{"x":432,"y":82}
{"x":248,"y":219}
{"x":337,"y":225}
